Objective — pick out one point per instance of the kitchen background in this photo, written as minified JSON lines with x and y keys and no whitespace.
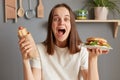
{"x":10,"y":58}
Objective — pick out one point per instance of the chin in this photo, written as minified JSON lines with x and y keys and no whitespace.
{"x":61,"y":39}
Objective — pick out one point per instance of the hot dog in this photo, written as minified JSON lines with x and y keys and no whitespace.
{"x":22,"y":32}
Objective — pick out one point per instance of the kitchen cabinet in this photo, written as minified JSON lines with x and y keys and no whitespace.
{"x":116,"y":24}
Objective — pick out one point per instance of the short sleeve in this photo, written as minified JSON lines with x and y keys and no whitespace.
{"x":36,"y":63}
{"x":84,"y":58}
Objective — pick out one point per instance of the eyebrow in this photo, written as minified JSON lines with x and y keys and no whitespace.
{"x":58,"y":15}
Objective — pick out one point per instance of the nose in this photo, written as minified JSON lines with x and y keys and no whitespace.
{"x":61,"y":21}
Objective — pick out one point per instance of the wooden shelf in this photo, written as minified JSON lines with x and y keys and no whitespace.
{"x":116,"y":24}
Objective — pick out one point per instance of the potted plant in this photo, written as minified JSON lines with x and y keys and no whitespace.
{"x":101,"y":7}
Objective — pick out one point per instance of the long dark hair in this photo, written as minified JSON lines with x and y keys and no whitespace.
{"x":73,"y":38}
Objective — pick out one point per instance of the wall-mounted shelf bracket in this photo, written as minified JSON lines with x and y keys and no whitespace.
{"x":116,"y":24}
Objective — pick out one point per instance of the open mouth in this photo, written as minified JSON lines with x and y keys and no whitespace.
{"x":61,"y":31}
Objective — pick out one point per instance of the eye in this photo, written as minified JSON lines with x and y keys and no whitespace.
{"x":56,"y":19}
{"x":67,"y":19}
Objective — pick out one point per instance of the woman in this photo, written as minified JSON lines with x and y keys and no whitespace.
{"x":61,"y":56}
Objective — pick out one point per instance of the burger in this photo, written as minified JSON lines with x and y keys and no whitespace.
{"x":97,"y":42}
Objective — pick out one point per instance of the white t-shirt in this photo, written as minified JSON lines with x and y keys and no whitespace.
{"x":61,"y":65}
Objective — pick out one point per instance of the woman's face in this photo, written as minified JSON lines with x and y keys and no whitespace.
{"x":61,"y":25}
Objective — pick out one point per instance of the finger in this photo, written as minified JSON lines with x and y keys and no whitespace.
{"x":27,"y":46}
{"x":24,"y":44}
{"x":21,"y":40}
{"x":29,"y":50}
{"x":105,"y":51}
{"x":98,"y":51}
{"x":90,"y":50}
{"x":24,"y":53}
{"x":94,"y":50}
{"x":101,"y":52}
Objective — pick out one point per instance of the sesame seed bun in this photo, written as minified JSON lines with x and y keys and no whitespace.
{"x":96,"y":39}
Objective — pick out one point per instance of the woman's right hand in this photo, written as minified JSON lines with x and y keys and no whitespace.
{"x":28,"y":47}
{"x":25,"y":47}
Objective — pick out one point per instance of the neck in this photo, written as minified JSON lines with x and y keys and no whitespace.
{"x":61,"y":44}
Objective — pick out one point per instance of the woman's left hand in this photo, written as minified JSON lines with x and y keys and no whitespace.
{"x":97,"y":51}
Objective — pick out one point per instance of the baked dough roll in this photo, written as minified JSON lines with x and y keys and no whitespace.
{"x":22,"y":32}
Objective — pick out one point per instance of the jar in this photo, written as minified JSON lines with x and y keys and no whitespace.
{"x":81,"y":14}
